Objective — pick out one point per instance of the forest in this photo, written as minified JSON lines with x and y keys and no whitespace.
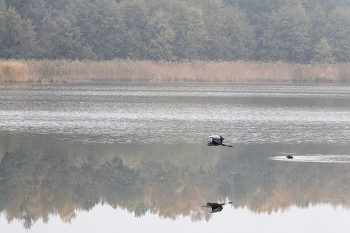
{"x":289,"y":31}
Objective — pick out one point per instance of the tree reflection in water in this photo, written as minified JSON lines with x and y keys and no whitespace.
{"x":43,"y":175}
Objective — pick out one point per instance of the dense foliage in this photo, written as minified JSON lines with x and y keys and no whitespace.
{"x":297,"y":31}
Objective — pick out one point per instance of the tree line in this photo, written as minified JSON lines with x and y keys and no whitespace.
{"x":297,"y":31}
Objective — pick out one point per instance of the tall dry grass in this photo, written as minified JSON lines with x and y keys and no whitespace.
{"x":13,"y":71}
{"x":60,"y":71}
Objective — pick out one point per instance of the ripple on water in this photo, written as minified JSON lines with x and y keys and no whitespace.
{"x":176,"y":114}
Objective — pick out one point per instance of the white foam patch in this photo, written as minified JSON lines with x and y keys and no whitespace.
{"x":314,"y":158}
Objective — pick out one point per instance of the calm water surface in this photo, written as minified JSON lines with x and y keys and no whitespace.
{"x":132,"y":157}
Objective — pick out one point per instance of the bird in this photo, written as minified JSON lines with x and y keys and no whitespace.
{"x":217,"y":140}
{"x":215,"y":207}
{"x":289,"y":157}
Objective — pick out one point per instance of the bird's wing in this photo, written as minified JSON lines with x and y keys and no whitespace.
{"x":218,"y":209}
{"x":217,"y":139}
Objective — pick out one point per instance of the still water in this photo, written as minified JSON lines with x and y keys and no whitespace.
{"x":134,"y":157}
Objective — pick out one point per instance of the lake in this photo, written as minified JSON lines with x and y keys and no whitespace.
{"x":134,"y":157}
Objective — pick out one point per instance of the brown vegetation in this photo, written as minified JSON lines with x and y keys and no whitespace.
{"x":64,"y":71}
{"x":13,"y":71}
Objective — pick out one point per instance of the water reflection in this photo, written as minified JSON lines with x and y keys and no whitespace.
{"x":320,"y":158}
{"x":53,"y":175}
{"x":216,"y":207}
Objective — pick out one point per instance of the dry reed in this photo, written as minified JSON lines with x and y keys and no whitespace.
{"x":13,"y":71}
{"x":61,"y":71}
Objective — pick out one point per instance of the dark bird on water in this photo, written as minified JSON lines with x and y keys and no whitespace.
{"x":215,"y":207}
{"x":217,"y":140}
{"x":289,"y":157}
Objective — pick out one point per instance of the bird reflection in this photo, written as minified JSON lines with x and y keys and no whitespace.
{"x":215,"y":207}
{"x":217,"y":140}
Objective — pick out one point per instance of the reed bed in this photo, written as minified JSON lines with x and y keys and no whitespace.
{"x":13,"y":71}
{"x":64,"y":71}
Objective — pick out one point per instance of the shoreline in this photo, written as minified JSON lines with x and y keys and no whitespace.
{"x":127,"y":71}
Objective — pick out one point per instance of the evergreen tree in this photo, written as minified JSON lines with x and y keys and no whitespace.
{"x":28,"y":40}
{"x":215,"y":18}
{"x":2,"y":25}
{"x":239,"y":33}
{"x":101,"y":27}
{"x":48,"y":35}
{"x":161,"y":37}
{"x":81,"y":14}
{"x":11,"y":43}
{"x":59,"y":5}
{"x":287,"y":36}
{"x":318,"y":17}
{"x":35,"y":12}
{"x":135,"y":17}
{"x":60,"y":39}
{"x":270,"y":30}
{"x":33,"y":9}
{"x":190,"y":33}
{"x":323,"y":53}
{"x":338,"y":33}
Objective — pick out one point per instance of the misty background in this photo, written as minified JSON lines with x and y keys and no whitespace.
{"x":297,"y":31}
